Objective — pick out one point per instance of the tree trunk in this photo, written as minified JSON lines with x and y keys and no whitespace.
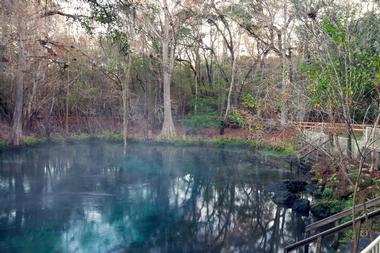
{"x":29,"y":111}
{"x":283,"y":46}
{"x":67,"y":104}
{"x":125,"y":100}
{"x":235,"y":56}
{"x":16,"y":134}
{"x":374,"y":158}
{"x":168,"y":129}
{"x":197,"y":77}
{"x":232,"y":83}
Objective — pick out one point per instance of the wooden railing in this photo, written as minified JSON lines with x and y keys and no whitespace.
{"x":306,"y":151}
{"x":336,"y":218}
{"x":374,"y":247}
{"x":318,"y":237}
{"x":339,"y":216}
{"x":331,"y":127}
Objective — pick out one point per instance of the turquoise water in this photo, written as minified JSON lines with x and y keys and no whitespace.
{"x":90,"y":197}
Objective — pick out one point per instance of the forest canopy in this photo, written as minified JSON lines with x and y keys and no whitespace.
{"x":174,"y":67}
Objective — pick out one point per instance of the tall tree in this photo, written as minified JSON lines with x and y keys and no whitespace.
{"x":231,"y":39}
{"x":21,"y":68}
{"x":168,"y":57}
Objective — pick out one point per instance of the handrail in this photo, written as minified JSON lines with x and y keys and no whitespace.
{"x":312,"y":150}
{"x":341,"y":215}
{"x":330,"y":231}
{"x":373,"y":247}
{"x":331,"y":126}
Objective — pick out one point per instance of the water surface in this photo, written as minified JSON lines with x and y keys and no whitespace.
{"x":90,"y":197}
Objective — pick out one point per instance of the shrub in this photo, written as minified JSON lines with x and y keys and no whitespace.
{"x":249,"y":102}
{"x":235,"y":119}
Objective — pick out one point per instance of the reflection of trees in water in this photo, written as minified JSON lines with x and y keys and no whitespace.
{"x":162,"y":199}
{"x":218,"y":208}
{"x":24,"y":178}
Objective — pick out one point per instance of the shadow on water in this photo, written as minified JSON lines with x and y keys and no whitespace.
{"x":90,"y":197}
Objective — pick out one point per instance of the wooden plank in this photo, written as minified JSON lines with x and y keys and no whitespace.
{"x":330,"y":231}
{"x":311,"y":151}
{"x":371,"y":203}
{"x":338,"y":127}
{"x":319,"y":245}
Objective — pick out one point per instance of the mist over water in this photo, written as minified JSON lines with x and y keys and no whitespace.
{"x":90,"y":197}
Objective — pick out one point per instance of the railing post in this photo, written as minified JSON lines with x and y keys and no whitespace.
{"x":319,"y":243}
{"x":337,"y":222}
{"x":357,"y":227}
{"x":306,"y":248}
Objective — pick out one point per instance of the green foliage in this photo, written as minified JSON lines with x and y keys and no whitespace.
{"x":368,"y":28}
{"x":377,"y":182}
{"x":236,"y":118}
{"x":335,"y":30}
{"x":263,"y":148}
{"x":121,"y":40}
{"x":102,"y":12}
{"x":347,"y":72}
{"x":325,"y":194}
{"x":275,"y":151}
{"x":249,"y":102}
{"x":201,"y":120}
{"x":324,"y":208}
{"x":329,"y":193}
{"x":347,"y":237}
{"x":237,"y":11}
{"x":86,"y":24}
{"x":80,"y":137}
{"x":57,"y":138}
{"x":348,"y":203}
{"x":35,"y":140}
{"x":3,"y":144}
{"x":109,"y":136}
{"x":206,"y":115}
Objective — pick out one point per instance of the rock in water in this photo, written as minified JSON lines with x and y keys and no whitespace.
{"x":301,"y":206}
{"x":277,"y":187}
{"x":285,"y":198}
{"x":295,"y":186}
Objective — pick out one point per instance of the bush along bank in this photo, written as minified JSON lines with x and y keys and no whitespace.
{"x":334,"y":194}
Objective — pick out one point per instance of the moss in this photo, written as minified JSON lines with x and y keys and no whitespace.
{"x":264,"y":148}
{"x":109,"y":136}
{"x":28,"y":141}
{"x":57,"y":138}
{"x":276,"y":151}
{"x":228,"y":142}
{"x":3,"y":144}
{"x":79,"y":137}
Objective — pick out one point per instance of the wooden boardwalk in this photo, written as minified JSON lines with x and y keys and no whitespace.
{"x":338,"y":128}
{"x":334,"y":219}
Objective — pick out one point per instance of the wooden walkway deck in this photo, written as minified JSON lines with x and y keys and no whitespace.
{"x":334,"y":219}
{"x":337,"y":128}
